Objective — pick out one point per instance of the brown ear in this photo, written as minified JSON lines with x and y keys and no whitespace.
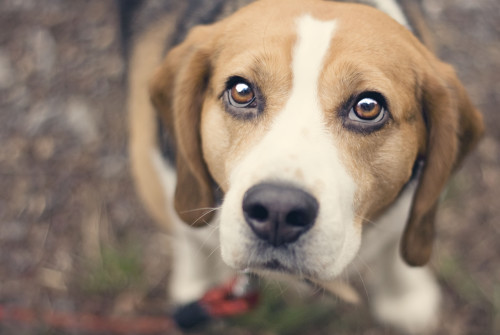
{"x":177,"y":91}
{"x":454,"y":127}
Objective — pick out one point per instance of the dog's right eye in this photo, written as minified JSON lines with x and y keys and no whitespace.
{"x":241,"y":95}
{"x":242,"y":99}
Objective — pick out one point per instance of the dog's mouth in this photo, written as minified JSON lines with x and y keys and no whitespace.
{"x":287,"y":260}
{"x":275,"y":266}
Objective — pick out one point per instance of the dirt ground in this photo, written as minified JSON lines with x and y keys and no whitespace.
{"x":75,"y":239}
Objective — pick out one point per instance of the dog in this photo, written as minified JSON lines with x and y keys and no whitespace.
{"x":302,"y":139}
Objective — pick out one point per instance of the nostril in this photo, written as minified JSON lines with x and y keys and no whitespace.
{"x":258,"y":212}
{"x":298,"y":218}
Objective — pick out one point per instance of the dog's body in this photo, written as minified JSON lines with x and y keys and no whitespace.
{"x":303,"y":138}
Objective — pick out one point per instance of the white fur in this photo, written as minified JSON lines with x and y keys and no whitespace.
{"x":299,"y":150}
{"x":392,"y":8}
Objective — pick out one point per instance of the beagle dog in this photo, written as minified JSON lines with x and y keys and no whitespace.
{"x":303,"y":139}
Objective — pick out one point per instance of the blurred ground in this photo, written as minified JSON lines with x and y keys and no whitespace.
{"x":74,"y":238}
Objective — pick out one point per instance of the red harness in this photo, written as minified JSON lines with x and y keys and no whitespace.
{"x":236,"y":297}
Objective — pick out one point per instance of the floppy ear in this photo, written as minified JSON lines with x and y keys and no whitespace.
{"x":454,"y":127}
{"x":177,"y":91}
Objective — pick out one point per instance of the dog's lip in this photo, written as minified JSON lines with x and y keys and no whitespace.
{"x":273,"y":265}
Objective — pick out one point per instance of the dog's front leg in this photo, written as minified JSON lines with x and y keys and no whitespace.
{"x":197,"y":265}
{"x":404,"y":297}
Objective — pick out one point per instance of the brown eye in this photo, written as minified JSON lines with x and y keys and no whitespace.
{"x":366,"y":112}
{"x":241,"y":95}
{"x":367,"y":109}
{"x":242,"y":99}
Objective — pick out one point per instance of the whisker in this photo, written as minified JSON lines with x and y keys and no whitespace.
{"x":318,"y":290}
{"x":367,"y":220}
{"x":213,"y":228}
{"x":200,"y":209}
{"x":366,"y":264}
{"x":363,"y":283}
{"x":251,"y":256}
{"x":203,"y":215}
{"x":278,"y":283}
{"x":213,"y":251}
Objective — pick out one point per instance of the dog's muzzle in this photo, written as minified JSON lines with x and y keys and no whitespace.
{"x":278,"y":213}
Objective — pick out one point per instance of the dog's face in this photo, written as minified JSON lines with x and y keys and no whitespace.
{"x":311,"y":117}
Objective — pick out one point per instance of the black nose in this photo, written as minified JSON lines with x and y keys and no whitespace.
{"x":278,"y":213}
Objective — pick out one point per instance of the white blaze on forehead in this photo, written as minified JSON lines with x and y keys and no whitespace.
{"x":313,"y":41}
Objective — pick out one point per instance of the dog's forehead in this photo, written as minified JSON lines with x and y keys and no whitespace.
{"x":262,"y":37}
{"x":278,"y":19}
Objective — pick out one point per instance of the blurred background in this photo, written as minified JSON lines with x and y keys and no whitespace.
{"x":74,"y":238}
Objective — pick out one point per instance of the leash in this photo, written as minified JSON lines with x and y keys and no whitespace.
{"x":87,"y":323}
{"x":236,"y":297}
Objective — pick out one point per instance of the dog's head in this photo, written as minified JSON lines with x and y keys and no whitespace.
{"x":311,"y":117}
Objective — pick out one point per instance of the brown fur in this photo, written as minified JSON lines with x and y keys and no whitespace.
{"x":454,"y":127}
{"x":142,"y":119}
{"x":432,"y":117}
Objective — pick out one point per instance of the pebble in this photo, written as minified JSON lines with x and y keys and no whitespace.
{"x":36,"y":205}
{"x":433,"y":8}
{"x":6,"y":73}
{"x":112,"y":165}
{"x":53,"y":279}
{"x":45,"y":51}
{"x":489,"y":149}
{"x":45,"y":147}
{"x":80,"y":121}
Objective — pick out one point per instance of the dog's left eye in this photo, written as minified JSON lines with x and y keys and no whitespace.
{"x":241,"y":95}
{"x":366,"y":112}
{"x":368,"y":109}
